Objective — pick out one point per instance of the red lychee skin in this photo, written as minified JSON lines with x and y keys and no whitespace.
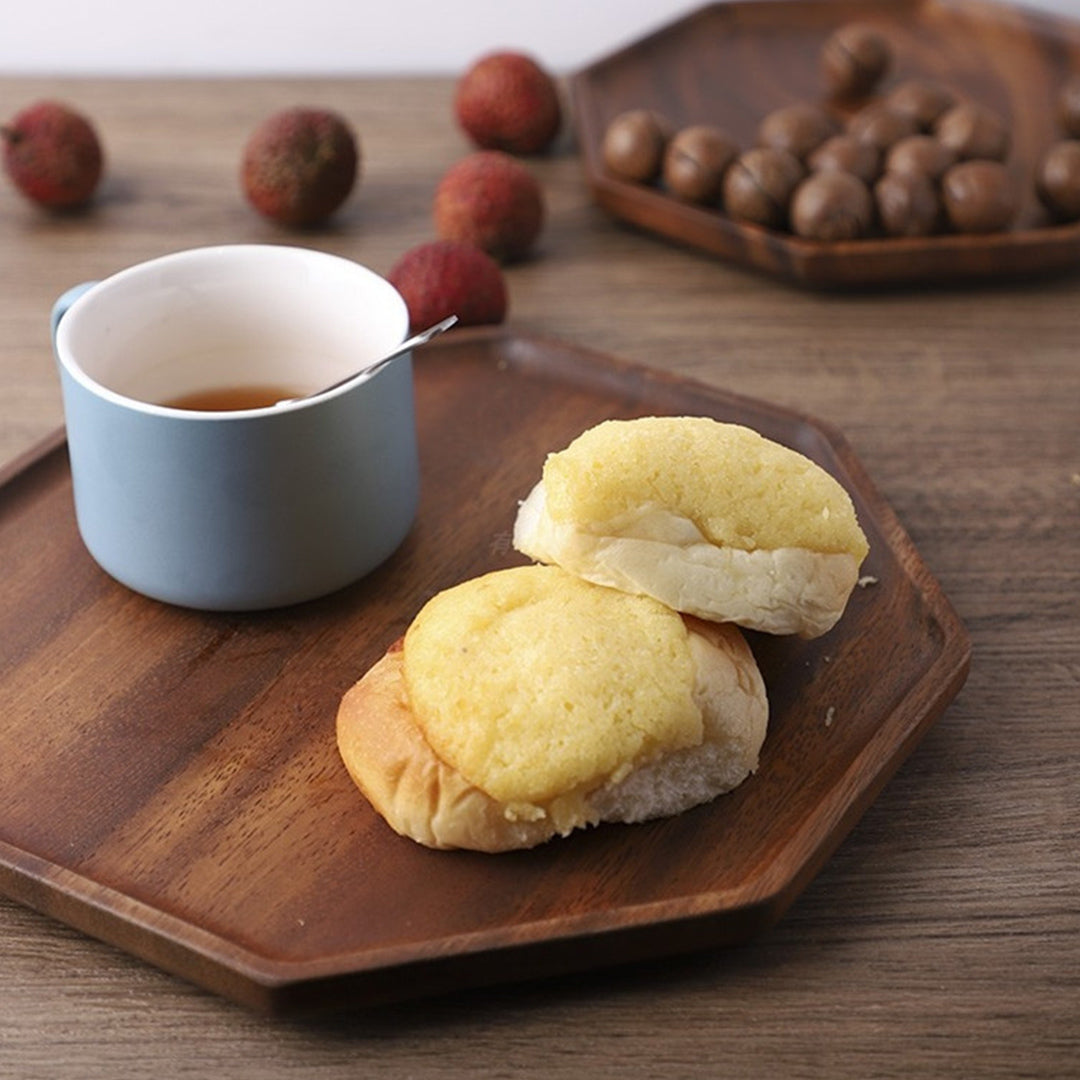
{"x":53,"y":155}
{"x":507,"y":101}
{"x":491,"y":200}
{"x":300,"y":165}
{"x":442,"y":278}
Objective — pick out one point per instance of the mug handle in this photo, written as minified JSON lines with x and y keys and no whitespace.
{"x":59,"y":309}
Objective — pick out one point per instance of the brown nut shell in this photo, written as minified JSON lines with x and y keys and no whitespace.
{"x":881,"y":126}
{"x":1057,"y":180}
{"x":974,"y":131}
{"x":832,"y":206}
{"x":854,"y":59}
{"x":1068,"y":107}
{"x":980,"y":196}
{"x":920,"y":155}
{"x":907,"y":204}
{"x":759,"y":184}
{"x":922,"y":99}
{"x":633,"y":145}
{"x":847,"y":154}
{"x":799,"y":129}
{"x":695,"y":162}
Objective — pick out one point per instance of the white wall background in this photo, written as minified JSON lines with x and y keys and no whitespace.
{"x":283,"y":37}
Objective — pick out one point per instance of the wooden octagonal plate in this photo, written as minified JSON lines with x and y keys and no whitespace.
{"x":729,"y":64}
{"x":170,"y":781}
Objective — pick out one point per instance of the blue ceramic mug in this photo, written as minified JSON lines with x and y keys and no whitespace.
{"x":189,"y":487}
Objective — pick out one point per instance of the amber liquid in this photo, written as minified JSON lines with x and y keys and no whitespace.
{"x":229,"y":398}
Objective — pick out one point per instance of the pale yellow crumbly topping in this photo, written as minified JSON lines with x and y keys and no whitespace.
{"x":533,"y":683}
{"x":740,"y":489}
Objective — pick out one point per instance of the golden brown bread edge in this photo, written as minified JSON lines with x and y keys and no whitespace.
{"x":422,"y":797}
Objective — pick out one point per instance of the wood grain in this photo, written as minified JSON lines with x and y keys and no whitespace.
{"x":730,"y":64}
{"x":200,"y":748}
{"x":942,"y":938}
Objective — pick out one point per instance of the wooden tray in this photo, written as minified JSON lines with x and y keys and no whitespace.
{"x":169,"y":780}
{"x":730,"y":64}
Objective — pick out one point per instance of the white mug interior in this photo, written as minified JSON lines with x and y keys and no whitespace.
{"x":226,"y":317}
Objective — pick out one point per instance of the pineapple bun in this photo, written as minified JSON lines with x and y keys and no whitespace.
{"x":528,"y":702}
{"x":711,"y":519}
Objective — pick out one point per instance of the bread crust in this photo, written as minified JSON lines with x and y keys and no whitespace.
{"x":418,"y":794}
{"x":421,"y":797}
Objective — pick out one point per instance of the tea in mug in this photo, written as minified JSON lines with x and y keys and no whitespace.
{"x":230,"y":398}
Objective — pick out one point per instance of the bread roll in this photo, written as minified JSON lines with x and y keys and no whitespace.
{"x":709,"y":518}
{"x":526,"y":703}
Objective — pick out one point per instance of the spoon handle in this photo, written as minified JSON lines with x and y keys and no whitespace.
{"x":421,"y":338}
{"x":409,"y":343}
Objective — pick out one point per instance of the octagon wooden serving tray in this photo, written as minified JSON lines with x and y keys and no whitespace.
{"x":729,"y":64}
{"x":169,"y":780}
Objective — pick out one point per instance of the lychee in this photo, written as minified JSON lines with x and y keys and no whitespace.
{"x":491,"y":200}
{"x":507,"y":101}
{"x":300,"y":165}
{"x":443,"y":277}
{"x":53,"y":155}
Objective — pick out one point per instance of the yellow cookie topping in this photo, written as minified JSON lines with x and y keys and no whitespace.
{"x":740,"y":489}
{"x":533,"y":683}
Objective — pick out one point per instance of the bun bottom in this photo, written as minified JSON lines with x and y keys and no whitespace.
{"x":422,"y":797}
{"x":657,"y":553}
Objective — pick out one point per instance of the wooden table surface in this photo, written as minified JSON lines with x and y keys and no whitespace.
{"x":943,"y":937}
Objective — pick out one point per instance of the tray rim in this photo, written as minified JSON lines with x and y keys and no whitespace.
{"x":844,"y":265}
{"x":279,"y":985}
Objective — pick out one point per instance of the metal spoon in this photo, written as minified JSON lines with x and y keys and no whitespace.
{"x":409,"y":343}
